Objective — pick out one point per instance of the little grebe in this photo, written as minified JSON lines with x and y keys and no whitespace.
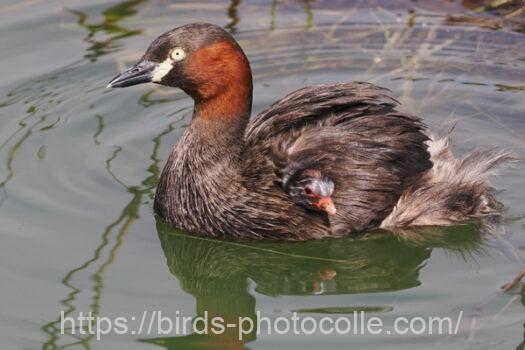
{"x":232,"y":177}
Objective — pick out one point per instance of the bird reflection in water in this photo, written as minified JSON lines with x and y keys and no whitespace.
{"x":218,"y":273}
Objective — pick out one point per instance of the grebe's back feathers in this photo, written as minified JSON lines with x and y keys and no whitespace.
{"x":353,"y":132}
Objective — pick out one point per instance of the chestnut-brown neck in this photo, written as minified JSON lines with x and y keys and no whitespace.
{"x":221,"y":85}
{"x":234,"y":103}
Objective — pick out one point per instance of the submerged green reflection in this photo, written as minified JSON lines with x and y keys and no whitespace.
{"x":217,"y":273}
{"x":234,"y":17}
{"x":121,"y":226}
{"x":113,"y":235}
{"x":40,"y":91}
{"x":109,"y":25}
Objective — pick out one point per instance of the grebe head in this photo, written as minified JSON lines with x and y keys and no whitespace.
{"x":313,"y":190}
{"x":201,"y":59}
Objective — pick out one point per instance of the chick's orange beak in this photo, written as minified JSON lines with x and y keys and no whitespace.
{"x":326,"y":204}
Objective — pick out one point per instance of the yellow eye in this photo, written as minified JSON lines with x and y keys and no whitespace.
{"x":177,"y":54}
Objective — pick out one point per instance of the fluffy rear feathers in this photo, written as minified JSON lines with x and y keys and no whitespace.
{"x":452,"y":190}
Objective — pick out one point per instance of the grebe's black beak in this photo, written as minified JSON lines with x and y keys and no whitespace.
{"x":140,"y":73}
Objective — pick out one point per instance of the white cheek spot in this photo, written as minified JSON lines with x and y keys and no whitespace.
{"x":161,"y":70}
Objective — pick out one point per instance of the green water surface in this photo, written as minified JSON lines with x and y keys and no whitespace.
{"x":79,"y":165}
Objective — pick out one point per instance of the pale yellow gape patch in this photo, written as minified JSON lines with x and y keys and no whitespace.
{"x":177,"y":54}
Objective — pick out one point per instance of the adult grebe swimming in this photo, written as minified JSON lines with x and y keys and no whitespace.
{"x":324,"y":161}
